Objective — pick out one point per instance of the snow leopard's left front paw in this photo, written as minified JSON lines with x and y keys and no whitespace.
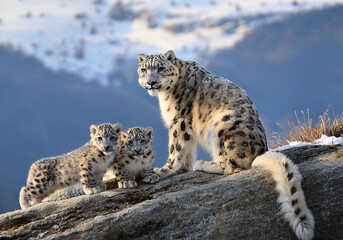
{"x":151,"y":178}
{"x":97,"y":189}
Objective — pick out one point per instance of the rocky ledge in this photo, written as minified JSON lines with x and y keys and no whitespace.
{"x":192,"y":206}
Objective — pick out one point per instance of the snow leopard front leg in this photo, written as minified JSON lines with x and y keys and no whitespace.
{"x":182,"y":148}
{"x":90,"y":179}
{"x":125,"y":180}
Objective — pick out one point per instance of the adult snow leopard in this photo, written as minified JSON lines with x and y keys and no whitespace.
{"x":200,"y":107}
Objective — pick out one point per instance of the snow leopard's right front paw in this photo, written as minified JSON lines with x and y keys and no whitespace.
{"x":127,"y":184}
{"x":97,"y":189}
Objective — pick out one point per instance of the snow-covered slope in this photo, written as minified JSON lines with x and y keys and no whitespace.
{"x":90,"y":37}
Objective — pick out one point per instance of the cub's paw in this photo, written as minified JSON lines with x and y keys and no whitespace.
{"x":151,"y":178}
{"x":164,"y":172}
{"x":96,"y":189}
{"x":127,"y":184}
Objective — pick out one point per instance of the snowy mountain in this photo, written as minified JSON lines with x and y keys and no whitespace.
{"x":92,"y":38}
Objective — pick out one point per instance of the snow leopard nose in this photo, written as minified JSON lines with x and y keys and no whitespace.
{"x":107,"y":148}
{"x":151,"y":83}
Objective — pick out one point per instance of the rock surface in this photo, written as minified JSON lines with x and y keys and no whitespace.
{"x":192,"y":206}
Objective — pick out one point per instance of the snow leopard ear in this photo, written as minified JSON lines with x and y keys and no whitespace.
{"x":93,"y":129}
{"x":170,"y":56}
{"x":150,"y":132}
{"x":141,"y":58}
{"x":124,"y":135}
{"x":117,"y":127}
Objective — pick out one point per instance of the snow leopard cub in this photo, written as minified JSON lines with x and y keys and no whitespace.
{"x":86,"y":164}
{"x":135,"y":159}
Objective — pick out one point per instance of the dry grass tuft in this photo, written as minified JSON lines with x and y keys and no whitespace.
{"x":304,"y":131}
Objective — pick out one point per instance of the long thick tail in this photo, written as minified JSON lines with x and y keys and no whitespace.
{"x":291,"y":196}
{"x":24,"y":198}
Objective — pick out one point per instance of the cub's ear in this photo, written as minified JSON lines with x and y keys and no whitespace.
{"x":93,"y":129}
{"x":150,"y":132}
{"x":141,"y":57}
{"x":124,"y":135}
{"x":117,"y":127}
{"x":170,"y":56}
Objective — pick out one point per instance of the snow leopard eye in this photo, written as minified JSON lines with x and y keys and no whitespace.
{"x":143,"y":141}
{"x":161,"y":69}
{"x":143,"y":70}
{"x":99,"y":138}
{"x":130,"y":142}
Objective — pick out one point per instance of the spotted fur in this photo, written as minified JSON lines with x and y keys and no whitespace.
{"x":291,"y":196}
{"x":200,"y":107}
{"x":86,"y":164}
{"x":135,"y":159}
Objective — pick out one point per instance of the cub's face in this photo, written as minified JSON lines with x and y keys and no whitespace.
{"x":106,"y":137}
{"x":158,"y":72}
{"x":137,"y":139}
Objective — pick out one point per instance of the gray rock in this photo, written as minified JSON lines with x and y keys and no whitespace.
{"x":192,"y":206}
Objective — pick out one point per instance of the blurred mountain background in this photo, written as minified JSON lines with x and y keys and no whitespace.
{"x":59,"y":75}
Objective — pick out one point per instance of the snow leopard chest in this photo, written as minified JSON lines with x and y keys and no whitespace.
{"x":168,"y":111}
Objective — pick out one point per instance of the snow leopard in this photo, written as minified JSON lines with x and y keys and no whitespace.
{"x":200,"y":107}
{"x":135,"y":159}
{"x":86,"y":164}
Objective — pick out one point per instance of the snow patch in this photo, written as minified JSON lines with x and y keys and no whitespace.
{"x":324,"y":140}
